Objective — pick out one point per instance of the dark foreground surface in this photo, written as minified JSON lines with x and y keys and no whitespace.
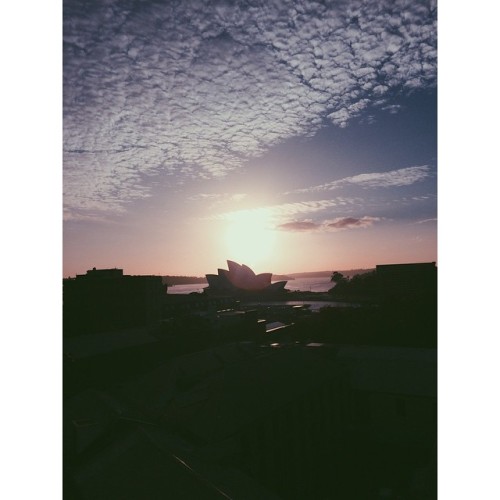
{"x":259,"y":402}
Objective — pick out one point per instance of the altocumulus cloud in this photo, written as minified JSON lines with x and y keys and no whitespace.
{"x":286,"y":211}
{"x":393,"y":178}
{"x":193,"y":89}
{"x":219,"y":197}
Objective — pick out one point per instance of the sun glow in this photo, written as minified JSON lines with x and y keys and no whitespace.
{"x":249,"y":237}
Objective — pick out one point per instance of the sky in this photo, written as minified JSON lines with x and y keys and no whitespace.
{"x":290,"y":136}
{"x":35,"y":246}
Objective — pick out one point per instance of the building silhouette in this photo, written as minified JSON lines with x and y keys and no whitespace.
{"x":107,"y":300}
{"x":239,"y":278}
{"x":407,"y":282}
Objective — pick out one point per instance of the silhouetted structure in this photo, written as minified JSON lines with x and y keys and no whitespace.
{"x":240,"y":279}
{"x":224,"y":398}
{"x":106,"y":300}
{"x":407,"y":282}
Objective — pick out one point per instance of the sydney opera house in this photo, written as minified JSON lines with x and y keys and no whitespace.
{"x":239,"y":278}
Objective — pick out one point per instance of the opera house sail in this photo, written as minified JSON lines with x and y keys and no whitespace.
{"x":239,"y":278}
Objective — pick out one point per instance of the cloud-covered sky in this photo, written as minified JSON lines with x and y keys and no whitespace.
{"x":400,"y":177}
{"x":178,"y":116}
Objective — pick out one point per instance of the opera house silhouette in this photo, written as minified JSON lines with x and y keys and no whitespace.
{"x":239,"y":278}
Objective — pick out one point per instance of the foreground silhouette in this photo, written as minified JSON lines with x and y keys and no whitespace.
{"x":219,"y":397}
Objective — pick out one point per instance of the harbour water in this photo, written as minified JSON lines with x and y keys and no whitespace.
{"x":300,"y":284}
{"x":319,"y":285}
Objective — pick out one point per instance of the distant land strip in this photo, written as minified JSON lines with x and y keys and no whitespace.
{"x":189,"y":280}
{"x":326,"y":274}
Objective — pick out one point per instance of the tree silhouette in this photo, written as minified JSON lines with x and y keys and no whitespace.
{"x":337,"y":277}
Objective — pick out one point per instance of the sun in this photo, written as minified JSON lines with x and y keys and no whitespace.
{"x":249,"y":237}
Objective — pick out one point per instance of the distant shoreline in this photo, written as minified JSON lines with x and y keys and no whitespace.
{"x":194,"y":280}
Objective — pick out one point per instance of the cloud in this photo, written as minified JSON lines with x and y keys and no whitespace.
{"x":338,"y":224}
{"x":425,"y":221}
{"x":299,"y":226}
{"x":352,"y":223}
{"x":193,"y":89}
{"x":393,"y":178}
{"x":392,"y":108}
{"x":278,"y":213}
{"x":401,"y":177}
{"x":290,"y":216}
{"x":218,"y":197}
